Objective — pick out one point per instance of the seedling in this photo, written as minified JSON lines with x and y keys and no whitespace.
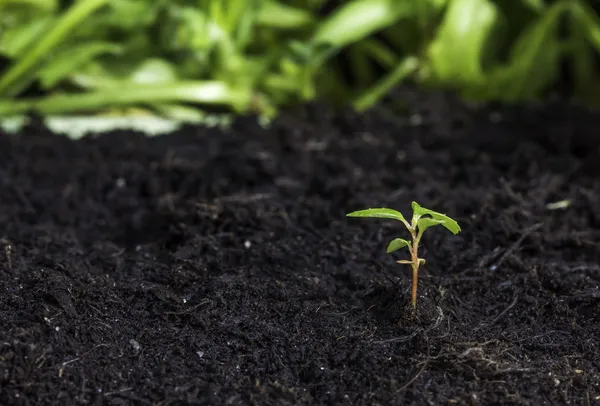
{"x":416,"y":227}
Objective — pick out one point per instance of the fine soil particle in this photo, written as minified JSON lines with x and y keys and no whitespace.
{"x":214,"y":267}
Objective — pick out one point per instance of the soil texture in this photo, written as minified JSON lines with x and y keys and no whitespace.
{"x":212,"y":267}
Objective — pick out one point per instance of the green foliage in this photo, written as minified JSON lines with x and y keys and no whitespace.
{"x":418,"y":224}
{"x":261,"y":55}
{"x":436,"y":219}
{"x":379,"y":213}
{"x":396,"y":244}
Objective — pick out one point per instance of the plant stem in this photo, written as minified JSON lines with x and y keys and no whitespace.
{"x":415,"y":280}
{"x":415,"y":268}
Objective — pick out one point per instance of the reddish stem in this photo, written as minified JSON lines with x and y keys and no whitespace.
{"x":415,"y":268}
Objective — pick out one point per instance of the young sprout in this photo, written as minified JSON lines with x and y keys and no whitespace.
{"x":416,"y":227}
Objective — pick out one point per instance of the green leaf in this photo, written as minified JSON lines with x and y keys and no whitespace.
{"x":17,"y":78}
{"x":15,"y":40}
{"x":425,"y":222}
{"x":456,"y":54}
{"x":209,"y":92}
{"x":535,"y":5}
{"x":386,"y":84}
{"x":358,"y":19}
{"x":42,"y":5}
{"x":581,"y":53}
{"x":534,"y":60}
{"x":278,"y":14}
{"x":96,"y":76}
{"x":181,"y":113}
{"x":154,"y":72}
{"x":70,"y":59}
{"x":396,"y":244}
{"x":378,"y":213}
{"x":589,"y":21}
{"x":446,"y":221}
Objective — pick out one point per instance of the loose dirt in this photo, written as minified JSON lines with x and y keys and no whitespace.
{"x":212,"y":267}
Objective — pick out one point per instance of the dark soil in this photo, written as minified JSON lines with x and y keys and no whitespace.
{"x":215,"y":268}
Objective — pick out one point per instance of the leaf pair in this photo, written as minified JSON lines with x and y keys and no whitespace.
{"x":424,"y":223}
{"x":418,"y":224}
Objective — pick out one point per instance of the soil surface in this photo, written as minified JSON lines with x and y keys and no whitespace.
{"x":214,"y":267}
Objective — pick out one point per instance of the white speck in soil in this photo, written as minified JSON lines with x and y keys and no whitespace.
{"x":368,"y":138}
{"x":200,"y":354}
{"x":316,"y":145}
{"x":495,"y":117}
{"x":247,"y":244}
{"x":136,"y":346}
{"x":416,"y":120}
{"x":121,"y":183}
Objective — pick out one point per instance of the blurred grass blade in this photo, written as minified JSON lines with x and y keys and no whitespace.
{"x":358,"y":19}
{"x":280,"y":15}
{"x":45,"y":5}
{"x":17,"y":78}
{"x":589,"y":20}
{"x":94,"y":76}
{"x":408,"y":66}
{"x":380,"y":52}
{"x":455,"y":55}
{"x":427,"y":12}
{"x":14,"y":40}
{"x":70,"y":59}
{"x":363,"y":71}
{"x":154,"y":72}
{"x":534,"y":61}
{"x":535,"y":5}
{"x":180,"y":113}
{"x":581,"y":30}
{"x":191,"y":92}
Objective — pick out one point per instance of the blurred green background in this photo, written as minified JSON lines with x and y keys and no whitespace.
{"x":180,"y":59}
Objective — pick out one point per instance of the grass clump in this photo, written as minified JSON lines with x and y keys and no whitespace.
{"x":180,"y":59}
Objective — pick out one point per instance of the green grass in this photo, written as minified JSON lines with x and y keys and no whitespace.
{"x":181,"y":58}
